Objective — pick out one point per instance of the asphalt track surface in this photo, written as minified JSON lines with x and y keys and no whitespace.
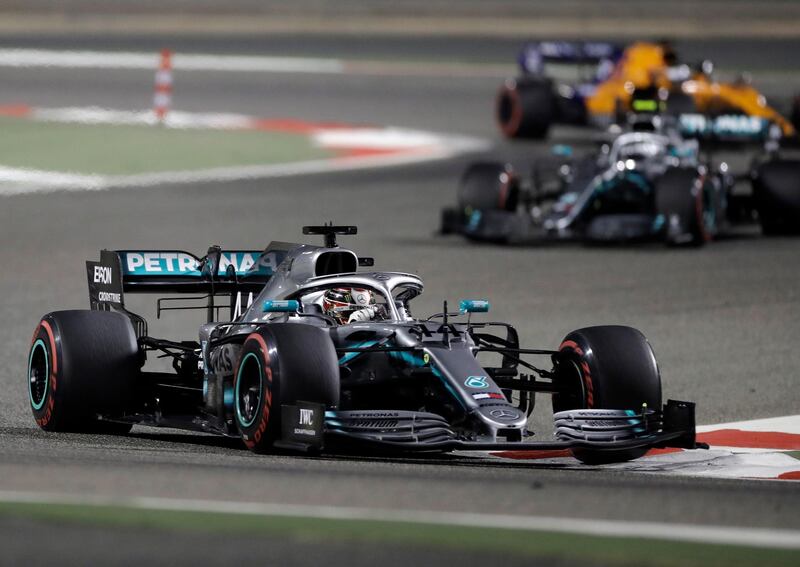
{"x":723,"y":320}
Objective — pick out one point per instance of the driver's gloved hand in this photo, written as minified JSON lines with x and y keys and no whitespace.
{"x":366,"y":314}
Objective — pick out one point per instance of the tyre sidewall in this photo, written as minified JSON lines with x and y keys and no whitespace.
{"x":680,"y":194}
{"x":294,"y":362}
{"x":525,"y":108}
{"x":487,"y":186}
{"x":258,"y":351}
{"x":93,"y":360}
{"x":44,"y":407}
{"x":776,"y":190}
{"x":616,"y":369}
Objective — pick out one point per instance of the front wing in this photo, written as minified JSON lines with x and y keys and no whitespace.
{"x":517,"y":228}
{"x":406,"y":431}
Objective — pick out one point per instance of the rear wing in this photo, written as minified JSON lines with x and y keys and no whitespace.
{"x":176,"y":271}
{"x":534,"y":55}
{"x":728,"y":128}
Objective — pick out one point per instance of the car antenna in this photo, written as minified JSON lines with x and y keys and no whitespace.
{"x":445,"y":334}
{"x":329,"y":231}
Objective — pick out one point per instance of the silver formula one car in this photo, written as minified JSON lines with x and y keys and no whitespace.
{"x":652,"y":180}
{"x":317,"y":355}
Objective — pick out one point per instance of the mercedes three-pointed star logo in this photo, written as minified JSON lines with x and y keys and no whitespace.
{"x":504,"y":414}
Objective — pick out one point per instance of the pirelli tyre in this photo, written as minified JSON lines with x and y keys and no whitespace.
{"x":281,"y":363}
{"x":776,"y":190}
{"x":610,"y":368}
{"x":682,"y":206}
{"x":488,"y":186}
{"x":526,"y":108}
{"x":82,"y":364}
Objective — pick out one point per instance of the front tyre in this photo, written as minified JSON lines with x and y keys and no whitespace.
{"x":82,"y":364}
{"x":681,"y":203}
{"x":488,"y":186}
{"x":795,"y":116}
{"x":281,"y":363}
{"x":607,"y":367}
{"x":776,"y":189}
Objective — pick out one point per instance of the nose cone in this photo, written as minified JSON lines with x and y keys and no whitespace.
{"x":502,"y":416}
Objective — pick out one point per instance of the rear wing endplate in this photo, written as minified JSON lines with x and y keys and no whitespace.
{"x":728,"y":128}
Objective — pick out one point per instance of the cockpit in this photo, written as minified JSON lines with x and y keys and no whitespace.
{"x":354,"y":298}
{"x":323,"y":283}
{"x":638,"y":147}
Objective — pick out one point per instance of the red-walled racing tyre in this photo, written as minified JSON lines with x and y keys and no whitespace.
{"x":776,"y":188}
{"x":526,"y":108}
{"x":82,"y":364}
{"x":279,"y":364}
{"x":680,"y":198}
{"x":488,"y":186}
{"x":607,"y":367}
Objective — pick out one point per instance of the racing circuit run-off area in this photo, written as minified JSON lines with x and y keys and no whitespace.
{"x":92,"y":148}
{"x":420,"y":283}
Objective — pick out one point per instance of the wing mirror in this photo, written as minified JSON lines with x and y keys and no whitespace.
{"x":281,"y":306}
{"x":473,"y":306}
{"x":562,"y":150}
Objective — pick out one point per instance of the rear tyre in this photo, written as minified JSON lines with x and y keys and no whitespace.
{"x":776,"y":189}
{"x":607,"y":367}
{"x":795,"y":117}
{"x":82,"y":364}
{"x":488,"y":186}
{"x":282,"y":363}
{"x":680,"y":202}
{"x":526,"y":108}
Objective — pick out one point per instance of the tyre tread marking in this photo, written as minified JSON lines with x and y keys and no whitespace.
{"x":267,"y":405}
{"x":48,"y":414}
{"x":585,"y":371}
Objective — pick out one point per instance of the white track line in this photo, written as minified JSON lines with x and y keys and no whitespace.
{"x":94,"y":115}
{"x":406,"y":146}
{"x":45,"y":58}
{"x":15,"y":181}
{"x":725,"y":535}
{"x":759,"y":462}
{"x":30,"y":58}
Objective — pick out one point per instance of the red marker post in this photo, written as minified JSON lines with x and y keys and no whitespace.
{"x":162,"y":97}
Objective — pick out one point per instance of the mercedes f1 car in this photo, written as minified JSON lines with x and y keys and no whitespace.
{"x":289,"y":370}
{"x":649,"y":182}
{"x":528,"y":105}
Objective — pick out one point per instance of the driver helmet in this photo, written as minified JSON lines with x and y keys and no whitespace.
{"x":341,"y":302}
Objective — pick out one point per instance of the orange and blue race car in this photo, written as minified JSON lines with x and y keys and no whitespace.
{"x":528,"y":105}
